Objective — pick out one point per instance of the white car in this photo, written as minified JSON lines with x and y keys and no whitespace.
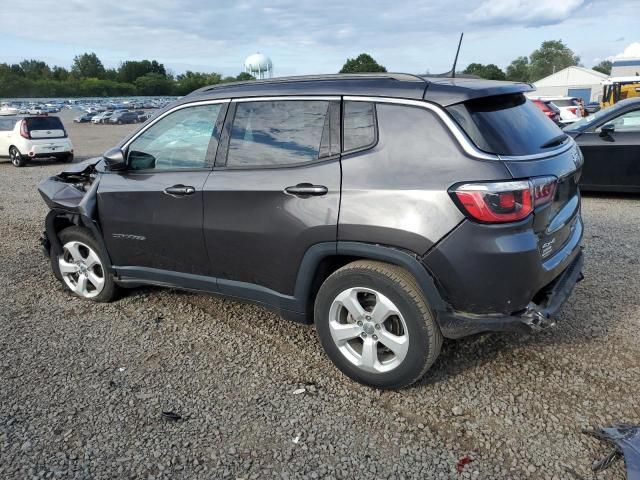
{"x":36,"y":110}
{"x":102,"y":117}
{"x":25,"y":138}
{"x":570,"y":108}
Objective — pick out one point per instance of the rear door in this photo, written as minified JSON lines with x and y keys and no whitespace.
{"x":274,"y":192}
{"x":151,"y":213}
{"x":613,"y":161}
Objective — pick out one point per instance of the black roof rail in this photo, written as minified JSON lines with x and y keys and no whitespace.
{"x":405,"y":77}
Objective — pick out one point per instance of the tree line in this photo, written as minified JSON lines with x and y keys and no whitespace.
{"x":552,"y":56}
{"x":89,"y":78}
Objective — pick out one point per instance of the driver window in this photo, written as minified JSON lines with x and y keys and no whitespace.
{"x":179,"y":140}
{"x":628,"y":122}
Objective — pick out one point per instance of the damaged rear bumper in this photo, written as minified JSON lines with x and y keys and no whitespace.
{"x":535,"y":317}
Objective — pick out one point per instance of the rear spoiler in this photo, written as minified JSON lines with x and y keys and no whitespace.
{"x":449,"y":91}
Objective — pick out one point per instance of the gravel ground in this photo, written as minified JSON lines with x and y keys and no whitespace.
{"x":83,"y":386}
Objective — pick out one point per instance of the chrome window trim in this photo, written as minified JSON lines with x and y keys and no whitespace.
{"x":327,"y":98}
{"x":169,"y":112}
{"x":464,"y":141}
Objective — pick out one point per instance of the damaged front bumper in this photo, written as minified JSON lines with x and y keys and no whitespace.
{"x":535,"y":317}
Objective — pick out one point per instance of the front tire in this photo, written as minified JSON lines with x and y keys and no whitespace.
{"x":82,"y":267}
{"x":17,"y":159}
{"x":375,"y":324}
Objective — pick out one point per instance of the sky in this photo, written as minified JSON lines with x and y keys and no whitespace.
{"x":305,"y":37}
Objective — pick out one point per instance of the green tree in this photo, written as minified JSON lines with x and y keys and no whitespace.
{"x":131,"y":70}
{"x":153,"y":84}
{"x":552,"y":56}
{"x":60,"y":73}
{"x":244,"y":76}
{"x":518,"y":70}
{"x":604,"y":67}
{"x":363,"y":63}
{"x":87,"y":65}
{"x":489,"y":72}
{"x":35,"y":69}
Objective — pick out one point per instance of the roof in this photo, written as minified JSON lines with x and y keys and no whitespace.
{"x":444,"y":91}
{"x":572,"y":76}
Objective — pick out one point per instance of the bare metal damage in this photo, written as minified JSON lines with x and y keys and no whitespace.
{"x":72,"y":198}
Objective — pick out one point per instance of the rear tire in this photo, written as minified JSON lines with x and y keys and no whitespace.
{"x":17,"y":159}
{"x":67,"y":158}
{"x":82,"y":266}
{"x":375,"y":324}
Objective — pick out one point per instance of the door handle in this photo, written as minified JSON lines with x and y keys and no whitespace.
{"x":180,"y":190}
{"x":307,"y":189}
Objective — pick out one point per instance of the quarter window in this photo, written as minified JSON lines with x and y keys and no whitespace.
{"x":359,"y":125}
{"x":179,"y":140}
{"x":283,"y":132}
{"x":6,"y":125}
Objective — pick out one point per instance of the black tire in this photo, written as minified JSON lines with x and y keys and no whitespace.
{"x":66,"y":158}
{"x":399,"y":286}
{"x":17,"y":159}
{"x":110,"y":290}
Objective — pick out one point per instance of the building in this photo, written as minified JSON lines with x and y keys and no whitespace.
{"x":571,"y":82}
{"x":625,"y":67}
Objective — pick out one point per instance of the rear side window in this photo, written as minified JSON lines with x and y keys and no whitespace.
{"x":44,"y":123}
{"x":272,"y":133}
{"x":359,"y":129}
{"x":507,"y":125}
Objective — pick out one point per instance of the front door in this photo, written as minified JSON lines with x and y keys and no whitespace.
{"x":613,"y":160}
{"x":274,"y":193}
{"x":151,"y":213}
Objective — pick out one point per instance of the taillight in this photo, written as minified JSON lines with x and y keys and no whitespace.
{"x":501,"y":202}
{"x":573,"y":110}
{"x":24,"y":130}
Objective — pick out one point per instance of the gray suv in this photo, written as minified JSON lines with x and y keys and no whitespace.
{"x":391,"y":210}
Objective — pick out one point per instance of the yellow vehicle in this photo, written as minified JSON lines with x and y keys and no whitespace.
{"x":615,"y":89}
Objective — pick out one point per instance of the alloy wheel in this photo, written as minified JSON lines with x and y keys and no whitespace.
{"x":15,"y":157}
{"x":368,"y":329}
{"x":81,"y":269}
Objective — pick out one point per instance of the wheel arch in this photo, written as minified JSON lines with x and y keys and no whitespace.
{"x":59,"y":219}
{"x":322,"y":259}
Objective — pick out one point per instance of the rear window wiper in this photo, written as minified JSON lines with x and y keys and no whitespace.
{"x":555,"y":141}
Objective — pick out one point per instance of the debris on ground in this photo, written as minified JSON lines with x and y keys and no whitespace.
{"x":625,"y":440}
{"x":466,"y":460}
{"x":173,"y":416}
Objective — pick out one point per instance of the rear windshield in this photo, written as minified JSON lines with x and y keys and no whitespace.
{"x":507,"y":125}
{"x":44,"y":123}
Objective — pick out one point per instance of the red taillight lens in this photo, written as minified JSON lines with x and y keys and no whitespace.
{"x":573,"y":110}
{"x":501,"y":202}
{"x":24,"y":130}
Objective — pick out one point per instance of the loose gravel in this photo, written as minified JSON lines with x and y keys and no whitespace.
{"x":83,"y":386}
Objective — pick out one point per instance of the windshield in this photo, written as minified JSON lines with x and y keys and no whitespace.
{"x":507,"y":125}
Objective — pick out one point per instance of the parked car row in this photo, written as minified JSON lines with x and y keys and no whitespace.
{"x":118,"y":117}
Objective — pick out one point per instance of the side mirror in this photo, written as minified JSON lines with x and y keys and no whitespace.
{"x":114,"y":159}
{"x":607,"y":130}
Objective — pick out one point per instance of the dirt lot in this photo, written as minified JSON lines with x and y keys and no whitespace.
{"x":83,"y":386}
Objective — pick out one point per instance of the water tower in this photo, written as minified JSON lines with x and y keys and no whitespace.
{"x":259,"y":65}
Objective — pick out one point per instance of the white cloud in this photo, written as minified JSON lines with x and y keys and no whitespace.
{"x":531,"y":13}
{"x":632,"y":51}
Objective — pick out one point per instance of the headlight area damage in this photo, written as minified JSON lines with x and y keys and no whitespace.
{"x":71,"y":196}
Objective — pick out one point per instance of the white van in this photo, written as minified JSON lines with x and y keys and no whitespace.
{"x":25,"y":138}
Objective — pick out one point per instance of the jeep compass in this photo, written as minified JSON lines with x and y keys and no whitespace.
{"x":390,"y":210}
